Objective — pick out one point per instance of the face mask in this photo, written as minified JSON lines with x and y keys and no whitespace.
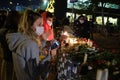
{"x":39,"y":30}
{"x":81,"y":21}
{"x":49,"y":23}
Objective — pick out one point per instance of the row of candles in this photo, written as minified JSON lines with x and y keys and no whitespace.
{"x":74,"y":40}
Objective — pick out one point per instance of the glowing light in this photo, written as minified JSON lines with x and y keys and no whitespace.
{"x":11,"y":2}
{"x":111,"y":20}
{"x":65,"y":33}
{"x":45,"y":1}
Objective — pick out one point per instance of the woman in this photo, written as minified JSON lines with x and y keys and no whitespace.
{"x":25,"y":46}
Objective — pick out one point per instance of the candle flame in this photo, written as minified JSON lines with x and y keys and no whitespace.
{"x":65,"y":33}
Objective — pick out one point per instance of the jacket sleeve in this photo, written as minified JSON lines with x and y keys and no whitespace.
{"x":32,"y":60}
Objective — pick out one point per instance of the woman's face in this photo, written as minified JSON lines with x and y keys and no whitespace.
{"x":37,"y":26}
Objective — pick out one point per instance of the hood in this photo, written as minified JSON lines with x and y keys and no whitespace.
{"x":14,"y":40}
{"x":44,"y":16}
{"x":47,"y":28}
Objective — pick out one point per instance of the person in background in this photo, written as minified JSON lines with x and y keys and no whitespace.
{"x":81,"y":27}
{"x":48,"y":34}
{"x":10,"y":26}
{"x":26,"y":45}
{"x":48,"y":26}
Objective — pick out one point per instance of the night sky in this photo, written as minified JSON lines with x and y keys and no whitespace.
{"x":4,"y":3}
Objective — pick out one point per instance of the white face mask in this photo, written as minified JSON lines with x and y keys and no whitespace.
{"x":81,"y":21}
{"x":49,"y":23}
{"x":39,"y":30}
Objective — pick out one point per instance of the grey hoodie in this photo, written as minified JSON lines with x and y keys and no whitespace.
{"x":25,"y":53}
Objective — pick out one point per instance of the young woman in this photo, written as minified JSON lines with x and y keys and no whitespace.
{"x":25,"y":46}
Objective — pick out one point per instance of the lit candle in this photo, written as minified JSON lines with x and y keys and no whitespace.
{"x":89,"y":43}
{"x":71,"y":41}
{"x":65,"y":33}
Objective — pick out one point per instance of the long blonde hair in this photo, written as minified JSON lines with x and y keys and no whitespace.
{"x":26,"y":22}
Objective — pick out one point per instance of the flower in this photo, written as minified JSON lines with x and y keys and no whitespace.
{"x":103,"y":60}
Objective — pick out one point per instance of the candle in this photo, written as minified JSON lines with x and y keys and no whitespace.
{"x":89,"y":43}
{"x":65,"y":33}
{"x":85,"y":58}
